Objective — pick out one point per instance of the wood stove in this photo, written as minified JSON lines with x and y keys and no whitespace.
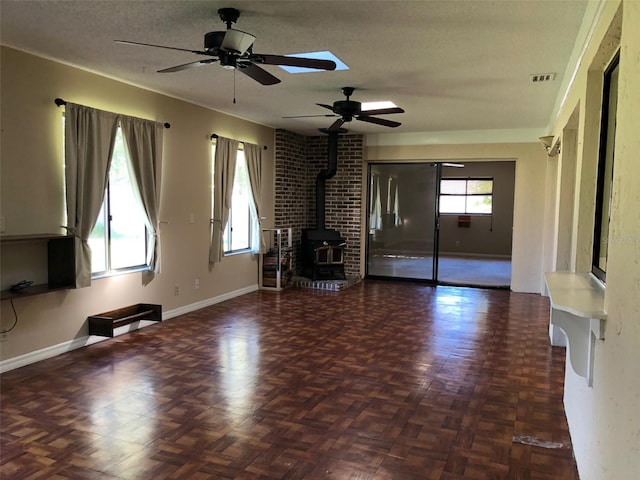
{"x":323,"y":254}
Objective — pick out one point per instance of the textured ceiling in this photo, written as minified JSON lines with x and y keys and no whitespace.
{"x":452,"y":65}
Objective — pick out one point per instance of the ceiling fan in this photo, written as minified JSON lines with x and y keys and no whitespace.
{"x":348,"y":109}
{"x":234,"y":50}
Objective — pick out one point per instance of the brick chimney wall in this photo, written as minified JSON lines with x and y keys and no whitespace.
{"x":298,"y":159}
{"x":290,"y":188}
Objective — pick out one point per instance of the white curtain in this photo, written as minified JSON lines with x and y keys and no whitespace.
{"x":375,"y":215}
{"x":396,"y":207}
{"x":144,"y":144}
{"x":89,"y":140}
{"x":224,"y":169}
{"x":253,"y":156}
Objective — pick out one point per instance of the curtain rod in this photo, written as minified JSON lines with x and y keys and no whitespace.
{"x":60,"y":102}
{"x":215,"y":135}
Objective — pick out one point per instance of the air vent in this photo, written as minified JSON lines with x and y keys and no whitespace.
{"x":542,"y":77}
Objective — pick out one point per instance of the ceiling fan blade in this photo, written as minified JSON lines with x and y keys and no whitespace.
{"x":197,"y":52}
{"x":336,"y":125}
{"x":379,"y":121}
{"x":311,"y":116}
{"x":184,"y":66}
{"x":325,"y":106}
{"x":382,"y":111}
{"x":293,"y":61}
{"x":260,"y":75}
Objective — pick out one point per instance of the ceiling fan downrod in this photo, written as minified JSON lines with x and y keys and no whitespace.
{"x":229,"y":16}
{"x":348,"y":91}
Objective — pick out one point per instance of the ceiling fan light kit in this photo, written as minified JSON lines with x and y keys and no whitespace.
{"x":237,"y":42}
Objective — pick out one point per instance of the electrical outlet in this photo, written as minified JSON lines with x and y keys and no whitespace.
{"x":457,"y":243}
{"x":4,"y":337}
{"x":196,"y":284}
{"x":176,"y":289}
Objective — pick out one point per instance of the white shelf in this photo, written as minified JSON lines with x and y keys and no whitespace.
{"x":577,"y":307}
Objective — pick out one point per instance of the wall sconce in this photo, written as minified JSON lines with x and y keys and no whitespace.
{"x":553,"y":150}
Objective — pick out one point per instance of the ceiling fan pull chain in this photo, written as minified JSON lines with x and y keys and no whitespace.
{"x":234,"y":86}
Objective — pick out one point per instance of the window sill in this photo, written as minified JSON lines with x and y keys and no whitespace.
{"x":116,"y":273}
{"x":447,"y":214}
{"x":237,"y":252}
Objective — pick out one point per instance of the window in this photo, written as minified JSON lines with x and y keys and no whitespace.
{"x":605,"y":170}
{"x":241,"y":224}
{"x":119,"y":238}
{"x":237,"y":234}
{"x":466,"y":196}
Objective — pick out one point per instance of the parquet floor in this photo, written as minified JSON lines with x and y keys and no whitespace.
{"x":382,"y":381}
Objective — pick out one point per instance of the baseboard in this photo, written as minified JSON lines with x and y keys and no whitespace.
{"x":42,"y":354}
{"x":209,"y":301}
{"x":64,"y":347}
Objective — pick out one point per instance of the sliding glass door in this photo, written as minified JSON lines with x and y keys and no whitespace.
{"x":449,"y":223}
{"x":402,"y":236}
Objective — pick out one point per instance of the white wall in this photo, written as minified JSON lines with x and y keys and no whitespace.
{"x":605,"y":420}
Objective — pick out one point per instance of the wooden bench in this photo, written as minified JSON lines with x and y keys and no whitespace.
{"x":104,"y":324}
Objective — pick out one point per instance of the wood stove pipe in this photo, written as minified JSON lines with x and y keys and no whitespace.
{"x":329,"y":172}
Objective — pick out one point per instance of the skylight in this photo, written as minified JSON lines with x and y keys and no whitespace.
{"x":378,"y":105}
{"x":326,"y":55}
